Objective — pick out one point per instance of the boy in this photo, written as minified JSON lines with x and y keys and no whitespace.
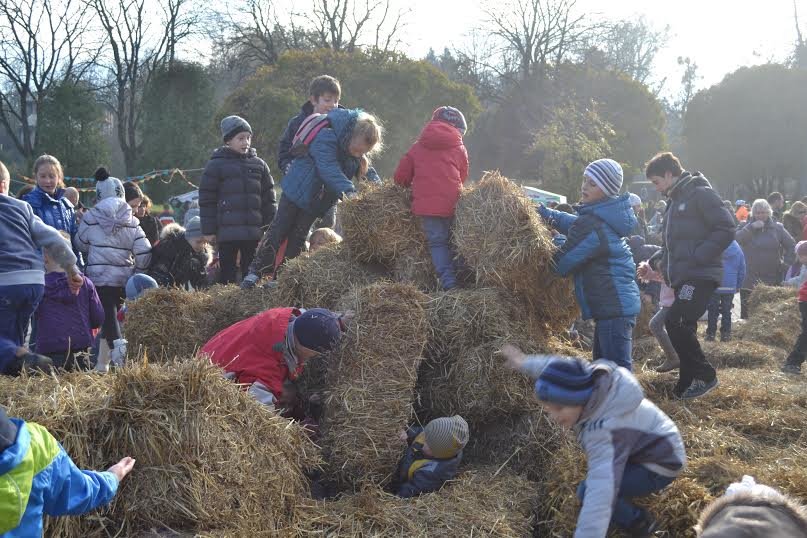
{"x":432,"y":455}
{"x":37,"y":477}
{"x":264,"y":351}
{"x":596,"y":253}
{"x":633,"y":449}
{"x":723,"y":298}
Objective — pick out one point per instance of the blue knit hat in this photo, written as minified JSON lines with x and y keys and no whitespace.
{"x":318,"y":329}
{"x":607,"y":174}
{"x":138,"y":284}
{"x":452,"y":116}
{"x":565,"y":381}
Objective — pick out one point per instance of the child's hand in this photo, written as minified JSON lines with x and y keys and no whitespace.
{"x":74,"y":280}
{"x":210,"y":238}
{"x":514,"y":356}
{"x":348,"y":315}
{"x":403,"y":437}
{"x":122,"y":468}
{"x":643,"y":270}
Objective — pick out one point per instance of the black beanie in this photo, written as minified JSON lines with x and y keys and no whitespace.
{"x":8,"y":431}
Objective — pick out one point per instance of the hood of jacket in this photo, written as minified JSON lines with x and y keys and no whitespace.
{"x":57,"y":288}
{"x":225,"y":152}
{"x":440,"y":135}
{"x":174,"y":235}
{"x":616,"y":392}
{"x":615,"y":212}
{"x":686,"y":184}
{"x":112,"y":213}
{"x":772,"y":515}
{"x":342,"y":121}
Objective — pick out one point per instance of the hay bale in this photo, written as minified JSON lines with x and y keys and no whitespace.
{"x":321,"y":279}
{"x":166,"y":323}
{"x":229,"y":304}
{"x":774,"y":317}
{"x":208,"y":455}
{"x":372,"y":381}
{"x":477,"y":503}
{"x":501,"y":237}
{"x":416,"y":268}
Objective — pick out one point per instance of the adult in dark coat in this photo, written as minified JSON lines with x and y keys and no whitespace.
{"x":697,"y":229}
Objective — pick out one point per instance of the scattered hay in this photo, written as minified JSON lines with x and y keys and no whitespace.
{"x":321,"y":279}
{"x":372,"y":381}
{"x":208,"y":455}
{"x":477,"y":503}
{"x":166,"y":323}
{"x":642,"y":327}
{"x":229,"y":304}
{"x":501,"y":237}
{"x":416,"y":268}
{"x":742,"y":354}
{"x":774,"y":317}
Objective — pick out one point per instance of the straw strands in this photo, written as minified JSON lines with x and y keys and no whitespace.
{"x":774,"y":317}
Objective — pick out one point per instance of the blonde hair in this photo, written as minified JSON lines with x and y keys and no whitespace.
{"x":43,"y":160}
{"x":147,"y":201}
{"x":4,"y":175}
{"x":369,"y":129}
{"x":324,"y":236}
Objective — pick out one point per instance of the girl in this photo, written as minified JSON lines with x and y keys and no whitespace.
{"x":149,"y":223}
{"x":339,"y":153}
{"x":181,"y":257}
{"x":116,"y":246}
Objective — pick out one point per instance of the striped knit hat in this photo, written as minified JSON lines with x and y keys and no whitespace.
{"x":565,"y":381}
{"x":452,"y":116}
{"x":607,"y":174}
{"x":446,"y":436}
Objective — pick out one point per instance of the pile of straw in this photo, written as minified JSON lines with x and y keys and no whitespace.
{"x":321,"y":279}
{"x":477,"y":503}
{"x":229,"y":304}
{"x":774,"y":317}
{"x":372,"y":381}
{"x":501,"y":237}
{"x":734,"y":354}
{"x":209,"y":457}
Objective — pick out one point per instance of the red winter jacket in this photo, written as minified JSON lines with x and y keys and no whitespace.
{"x":435,"y":167}
{"x":253,"y":349}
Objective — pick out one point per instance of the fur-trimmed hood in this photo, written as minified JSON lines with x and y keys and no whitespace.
{"x":174,"y":232}
{"x":750,"y":515}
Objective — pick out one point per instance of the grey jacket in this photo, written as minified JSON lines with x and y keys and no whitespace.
{"x":115,"y":243}
{"x":618,"y":426}
{"x":751,"y":515}
{"x":767,"y":252}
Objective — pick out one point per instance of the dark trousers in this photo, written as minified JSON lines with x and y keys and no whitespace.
{"x":800,"y":349}
{"x":613,"y":340}
{"x":17,"y":305}
{"x":720,"y":305}
{"x":76,"y":359}
{"x":291,"y":223}
{"x":438,"y":235}
{"x":228,"y":259}
{"x":111,"y":299}
{"x":691,"y":300}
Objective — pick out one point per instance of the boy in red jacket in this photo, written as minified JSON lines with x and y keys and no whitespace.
{"x":796,"y":358}
{"x":266,"y":350}
{"x":435,"y":167}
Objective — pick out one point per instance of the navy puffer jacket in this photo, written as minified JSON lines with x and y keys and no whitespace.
{"x":236,"y":196}
{"x":697,"y":229}
{"x":597,"y":254}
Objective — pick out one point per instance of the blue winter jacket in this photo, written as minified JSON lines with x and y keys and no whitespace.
{"x":597,"y":254}
{"x":418,"y":473}
{"x":733,"y":269}
{"x":55,"y":211}
{"x":37,"y":477}
{"x":317,"y":180}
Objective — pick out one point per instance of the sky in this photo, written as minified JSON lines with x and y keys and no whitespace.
{"x":719,"y":35}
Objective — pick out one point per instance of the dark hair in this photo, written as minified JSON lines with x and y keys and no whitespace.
{"x":24,"y":190}
{"x":324,"y":84}
{"x":774,"y":196}
{"x":662,"y":163}
{"x":101,"y":174}
{"x":566,"y":208}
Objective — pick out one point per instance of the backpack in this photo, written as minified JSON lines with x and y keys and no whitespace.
{"x":308,"y":130}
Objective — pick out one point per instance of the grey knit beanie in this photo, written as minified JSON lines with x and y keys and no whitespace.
{"x":446,"y":436}
{"x":232,"y":125}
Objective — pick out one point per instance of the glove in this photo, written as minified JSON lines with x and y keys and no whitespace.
{"x":249,"y":281}
{"x":757,"y":224}
{"x":30,"y":362}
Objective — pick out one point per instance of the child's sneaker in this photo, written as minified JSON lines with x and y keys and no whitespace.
{"x":118,"y":354}
{"x":790,"y":368}
{"x":699,"y":388}
{"x":249,"y":281}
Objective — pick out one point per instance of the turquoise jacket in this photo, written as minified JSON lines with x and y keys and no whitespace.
{"x":37,"y":477}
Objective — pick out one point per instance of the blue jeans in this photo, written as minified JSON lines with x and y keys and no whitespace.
{"x":17,"y":305}
{"x":720,"y":305}
{"x":438,"y":235}
{"x":637,"y":481}
{"x":613,"y":339}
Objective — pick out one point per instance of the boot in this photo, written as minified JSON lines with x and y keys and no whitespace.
{"x":102,"y":363}
{"x":710,"y":337}
{"x":118,"y":353}
{"x":669,"y":365}
{"x":725,"y":336}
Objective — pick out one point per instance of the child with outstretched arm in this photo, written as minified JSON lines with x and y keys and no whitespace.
{"x":633,"y":449}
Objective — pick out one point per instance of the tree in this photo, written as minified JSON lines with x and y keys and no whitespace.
{"x":750,"y":130}
{"x":799,"y":59}
{"x":71,"y":123}
{"x":40,"y":47}
{"x":342,"y":25}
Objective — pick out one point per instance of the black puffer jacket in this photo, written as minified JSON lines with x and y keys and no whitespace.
{"x":697,"y":229}
{"x":151,"y":227}
{"x":236,"y":196}
{"x":175,"y":263}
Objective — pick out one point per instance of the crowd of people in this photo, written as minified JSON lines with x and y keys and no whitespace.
{"x":67,"y":271}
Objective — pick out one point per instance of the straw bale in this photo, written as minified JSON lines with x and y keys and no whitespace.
{"x":477,"y":503}
{"x":774,"y":317}
{"x":372,"y":381}
{"x":416,"y":268}
{"x":321,"y":279}
{"x":229,"y":304}
{"x":208,"y":455}
{"x":166,"y":323}
{"x":379,"y":225}
{"x":501,"y":237}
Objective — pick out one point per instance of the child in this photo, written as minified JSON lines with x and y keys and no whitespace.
{"x":315,"y":181}
{"x":596,"y":253}
{"x":432,"y":456}
{"x":797,"y":355}
{"x":633,"y":449}
{"x":116,"y":246}
{"x":66,"y":320}
{"x":22,"y":279}
{"x":435,"y":167}
{"x":262,"y":352}
{"x":43,"y":480}
{"x":723,"y":298}
{"x":658,"y":321}
{"x":149,"y":223}
{"x":5,"y":179}
{"x":797,"y":280}
{"x":236,"y":198}
{"x":322,"y":237}
{"x":181,"y":257}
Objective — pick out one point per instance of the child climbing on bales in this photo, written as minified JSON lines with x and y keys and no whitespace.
{"x":633,"y":449}
{"x":181,"y":256}
{"x":435,"y":168}
{"x":432,"y":456}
